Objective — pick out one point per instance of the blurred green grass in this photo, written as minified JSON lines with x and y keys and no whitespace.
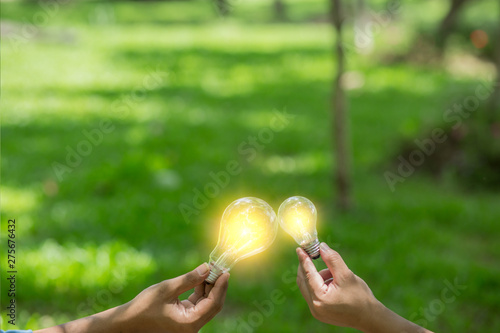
{"x":112,"y":227}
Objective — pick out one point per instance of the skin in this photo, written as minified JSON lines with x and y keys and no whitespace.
{"x":335,"y":296}
{"x":158,"y":309}
{"x":338,"y":297}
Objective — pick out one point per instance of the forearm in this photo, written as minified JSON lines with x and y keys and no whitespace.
{"x":383,"y":320}
{"x":110,"y":321}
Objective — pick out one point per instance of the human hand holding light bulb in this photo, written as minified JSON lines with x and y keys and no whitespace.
{"x":158,"y":308}
{"x":335,"y":295}
{"x":339,"y":297}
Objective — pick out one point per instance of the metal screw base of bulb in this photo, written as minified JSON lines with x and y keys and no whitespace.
{"x":312,"y":249}
{"x":214,"y":274}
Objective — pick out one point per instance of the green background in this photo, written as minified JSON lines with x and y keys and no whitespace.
{"x":112,"y":226}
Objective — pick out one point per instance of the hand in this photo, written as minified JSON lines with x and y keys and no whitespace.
{"x":158,"y":309}
{"x":335,"y":295}
{"x":338,"y":297}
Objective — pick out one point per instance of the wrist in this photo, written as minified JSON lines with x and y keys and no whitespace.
{"x":122,"y":319}
{"x":382,"y":317}
{"x":383,"y":320}
{"x":110,"y":321}
{"x":373,"y":318}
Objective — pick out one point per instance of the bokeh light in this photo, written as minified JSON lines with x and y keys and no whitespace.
{"x":479,"y":38}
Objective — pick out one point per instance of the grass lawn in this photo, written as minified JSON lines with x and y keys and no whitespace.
{"x":181,"y":93}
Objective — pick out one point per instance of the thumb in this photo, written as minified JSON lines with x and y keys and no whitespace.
{"x":334,"y":261}
{"x":189,"y":280}
{"x":307,"y":271}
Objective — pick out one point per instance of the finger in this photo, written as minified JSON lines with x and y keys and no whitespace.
{"x":311,"y":277}
{"x":328,"y":281}
{"x":208,"y":307}
{"x":334,"y":261}
{"x":189,"y":280}
{"x":208,"y":288}
{"x":304,"y":290}
{"x":219,"y":290}
{"x":325,"y":274}
{"x":199,"y":291}
{"x":202,"y":291}
{"x":301,"y":279}
{"x":187,"y":304}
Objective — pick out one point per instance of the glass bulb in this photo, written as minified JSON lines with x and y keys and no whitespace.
{"x":297,"y":216}
{"x":248,"y":226}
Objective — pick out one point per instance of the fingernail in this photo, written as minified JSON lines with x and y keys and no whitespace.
{"x":203,"y":269}
{"x":324,"y":247}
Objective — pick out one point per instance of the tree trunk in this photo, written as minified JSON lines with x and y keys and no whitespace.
{"x":279,"y":10}
{"x":495,"y":97}
{"x":340,"y":126}
{"x":447,"y":24}
{"x":223,"y":7}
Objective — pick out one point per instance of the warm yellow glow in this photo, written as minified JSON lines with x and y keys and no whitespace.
{"x":248,"y":226}
{"x":297,"y":216}
{"x":247,"y":231}
{"x":298,"y":219}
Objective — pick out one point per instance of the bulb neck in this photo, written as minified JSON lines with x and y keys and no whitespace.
{"x":311,"y":248}
{"x":215,"y":272}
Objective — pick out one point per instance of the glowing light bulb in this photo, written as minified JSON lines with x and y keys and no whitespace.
{"x":297,"y":216}
{"x":248,"y":226}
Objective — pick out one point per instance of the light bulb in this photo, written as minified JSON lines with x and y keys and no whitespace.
{"x":248,"y":226}
{"x":297,"y":216}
